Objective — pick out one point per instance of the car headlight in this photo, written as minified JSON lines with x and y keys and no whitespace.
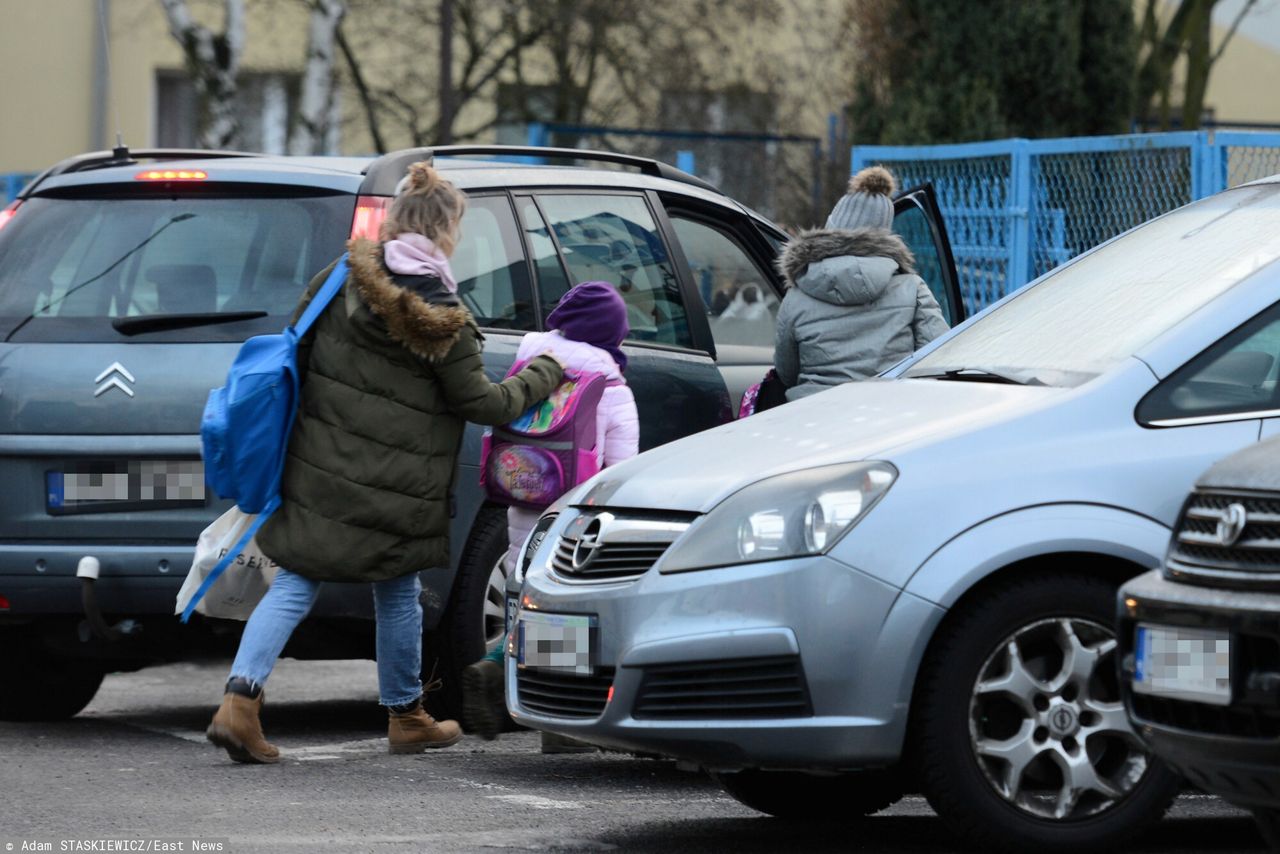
{"x":799,"y":513}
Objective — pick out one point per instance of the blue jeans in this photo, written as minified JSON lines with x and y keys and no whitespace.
{"x":399,"y":644}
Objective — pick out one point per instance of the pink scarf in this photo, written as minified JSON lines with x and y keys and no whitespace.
{"x":415,"y":255}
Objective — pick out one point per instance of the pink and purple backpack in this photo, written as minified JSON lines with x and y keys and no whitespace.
{"x":549,"y":449}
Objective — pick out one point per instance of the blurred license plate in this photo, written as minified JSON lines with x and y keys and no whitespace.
{"x":117,"y":487}
{"x":1183,"y":664}
{"x":560,"y":642}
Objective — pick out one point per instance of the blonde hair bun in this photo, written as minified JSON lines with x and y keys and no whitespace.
{"x":423,"y":178}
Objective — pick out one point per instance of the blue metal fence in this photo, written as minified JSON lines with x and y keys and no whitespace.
{"x":11,"y":184}
{"x":1017,"y":208}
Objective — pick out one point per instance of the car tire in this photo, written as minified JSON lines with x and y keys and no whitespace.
{"x":998,"y":758}
{"x":474,"y":617}
{"x":35,"y":686}
{"x":1268,"y":821}
{"x":796,"y":795}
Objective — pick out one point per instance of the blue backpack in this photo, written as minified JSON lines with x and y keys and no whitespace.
{"x":244,"y":433}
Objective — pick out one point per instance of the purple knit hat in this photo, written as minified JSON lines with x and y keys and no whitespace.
{"x":594,"y":314}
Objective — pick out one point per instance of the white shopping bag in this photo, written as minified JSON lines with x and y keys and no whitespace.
{"x":242,"y":585}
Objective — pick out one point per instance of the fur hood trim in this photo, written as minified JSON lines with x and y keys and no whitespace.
{"x":426,"y":330}
{"x":820,"y":244}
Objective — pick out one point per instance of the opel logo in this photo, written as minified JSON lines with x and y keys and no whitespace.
{"x":1062,"y":719}
{"x":1232,"y":524}
{"x":590,"y":542}
{"x":116,"y":376}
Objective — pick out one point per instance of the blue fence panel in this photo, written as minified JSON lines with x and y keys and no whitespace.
{"x":1017,"y":208}
{"x":11,"y":184}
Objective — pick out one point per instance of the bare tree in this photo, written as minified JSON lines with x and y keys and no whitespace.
{"x":213,"y":60}
{"x":310,"y":130}
{"x":1187,"y":33}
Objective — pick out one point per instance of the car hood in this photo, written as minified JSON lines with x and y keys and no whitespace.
{"x":1256,"y":467}
{"x":857,"y":421}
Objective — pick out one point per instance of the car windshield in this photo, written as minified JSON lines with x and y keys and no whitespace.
{"x":205,"y":266}
{"x":1087,"y":318}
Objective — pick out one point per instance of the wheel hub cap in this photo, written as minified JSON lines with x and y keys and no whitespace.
{"x":1046,"y":724}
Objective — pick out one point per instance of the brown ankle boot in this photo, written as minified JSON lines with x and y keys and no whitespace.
{"x":415,"y":731}
{"x":236,"y":727}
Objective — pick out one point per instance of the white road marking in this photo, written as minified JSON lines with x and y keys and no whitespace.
{"x":537,"y":802}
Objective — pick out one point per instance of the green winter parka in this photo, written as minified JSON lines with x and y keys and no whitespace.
{"x":388,"y":382}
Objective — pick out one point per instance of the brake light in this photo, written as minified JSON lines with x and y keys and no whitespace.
{"x":172,"y":175}
{"x":370,"y":212}
{"x":7,"y":214}
{"x":4,"y":604}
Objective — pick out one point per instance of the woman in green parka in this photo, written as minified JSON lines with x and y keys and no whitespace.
{"x":391,"y":372}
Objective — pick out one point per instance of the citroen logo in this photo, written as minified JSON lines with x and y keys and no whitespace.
{"x":1232,"y":524}
{"x":591,"y":540}
{"x":116,"y":376}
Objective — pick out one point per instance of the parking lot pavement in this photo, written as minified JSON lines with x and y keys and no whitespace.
{"x":135,"y":766}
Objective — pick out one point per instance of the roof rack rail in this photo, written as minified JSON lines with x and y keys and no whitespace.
{"x":124,"y":157}
{"x":382,"y":175}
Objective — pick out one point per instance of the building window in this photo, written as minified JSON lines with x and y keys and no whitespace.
{"x":267,"y":103}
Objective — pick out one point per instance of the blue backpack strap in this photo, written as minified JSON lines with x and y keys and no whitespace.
{"x":231,"y":555}
{"x":323,"y":297}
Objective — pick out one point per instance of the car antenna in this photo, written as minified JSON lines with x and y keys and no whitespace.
{"x":119,"y":154}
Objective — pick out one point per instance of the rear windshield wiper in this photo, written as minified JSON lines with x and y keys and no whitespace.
{"x":159,"y":322}
{"x":976,"y":375}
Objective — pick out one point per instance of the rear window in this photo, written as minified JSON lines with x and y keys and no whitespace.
{"x":70,"y":266}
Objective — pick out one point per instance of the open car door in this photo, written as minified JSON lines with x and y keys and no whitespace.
{"x":917,"y":219}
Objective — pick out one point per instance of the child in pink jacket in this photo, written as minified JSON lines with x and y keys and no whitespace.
{"x":588,"y":327}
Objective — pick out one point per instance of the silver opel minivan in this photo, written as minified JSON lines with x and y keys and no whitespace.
{"x":908,"y":584}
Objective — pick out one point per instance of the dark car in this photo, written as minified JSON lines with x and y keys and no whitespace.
{"x":1200,"y":638}
{"x":126,"y":289}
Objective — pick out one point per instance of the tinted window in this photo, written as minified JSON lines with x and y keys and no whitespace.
{"x":489,"y":266}
{"x":914,"y":227}
{"x":614,"y":239}
{"x":72,"y":265}
{"x":1085,"y":318}
{"x":1238,"y":374}
{"x":739,"y":298}
{"x":552,"y":281}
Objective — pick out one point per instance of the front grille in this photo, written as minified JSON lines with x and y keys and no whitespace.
{"x":600,"y":546}
{"x":744,"y":688}
{"x":1200,"y":556}
{"x":564,"y":695}
{"x":610,"y":562}
{"x":1238,"y":721}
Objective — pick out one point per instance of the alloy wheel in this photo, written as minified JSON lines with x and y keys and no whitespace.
{"x":1047,"y":725}
{"x":495,"y":605}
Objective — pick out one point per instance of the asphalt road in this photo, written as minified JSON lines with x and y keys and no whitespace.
{"x":134,"y":766}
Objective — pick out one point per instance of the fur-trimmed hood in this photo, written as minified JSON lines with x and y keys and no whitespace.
{"x":845,"y":267}
{"x":426,"y":329}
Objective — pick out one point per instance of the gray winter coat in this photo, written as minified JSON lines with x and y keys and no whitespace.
{"x":854,"y":307}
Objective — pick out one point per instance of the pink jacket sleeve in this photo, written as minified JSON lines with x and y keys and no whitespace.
{"x":621,"y":425}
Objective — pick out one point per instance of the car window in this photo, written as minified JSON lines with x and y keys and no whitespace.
{"x":1085,"y":318}
{"x":614,"y":239}
{"x":1238,"y":374}
{"x":740,"y":301}
{"x":68,"y":266}
{"x":493,"y":280}
{"x":552,"y":281}
{"x":914,"y":227}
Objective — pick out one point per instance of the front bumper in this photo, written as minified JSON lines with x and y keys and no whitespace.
{"x":1232,"y":751}
{"x":837,"y":648}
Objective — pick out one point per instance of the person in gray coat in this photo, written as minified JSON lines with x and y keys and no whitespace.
{"x":854,"y":305}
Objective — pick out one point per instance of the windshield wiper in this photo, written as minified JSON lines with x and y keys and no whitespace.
{"x":159,"y":322}
{"x":976,"y":375}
